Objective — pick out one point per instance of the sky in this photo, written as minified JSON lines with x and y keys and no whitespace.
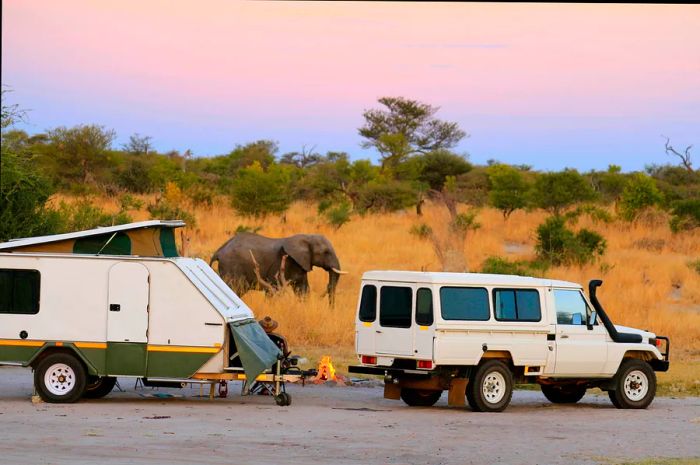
{"x":548,"y":85}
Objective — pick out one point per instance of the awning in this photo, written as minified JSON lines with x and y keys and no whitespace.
{"x":255,"y":348}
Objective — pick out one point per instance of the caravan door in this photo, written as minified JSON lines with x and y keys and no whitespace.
{"x":127,"y":319}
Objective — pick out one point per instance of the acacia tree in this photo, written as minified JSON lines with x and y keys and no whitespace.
{"x":509,"y":188}
{"x":80,"y":151}
{"x":406,"y":127}
{"x":138,"y":144}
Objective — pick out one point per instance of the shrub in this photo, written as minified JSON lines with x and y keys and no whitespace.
{"x":169,"y":206}
{"x":556,"y":191}
{"x":558,"y":245}
{"x":685,"y":215}
{"x":499,"y":265}
{"x":695,"y":265}
{"x":508,"y":189}
{"x":84,"y":215}
{"x":385,"y":196}
{"x":247,"y":229}
{"x":339,"y":215}
{"x":129,"y":202}
{"x":422,"y":230}
{"x":639,"y":194}
{"x":258,"y":193}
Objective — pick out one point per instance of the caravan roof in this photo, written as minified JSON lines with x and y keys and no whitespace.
{"x":468,"y":279}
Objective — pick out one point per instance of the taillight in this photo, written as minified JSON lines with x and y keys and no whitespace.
{"x":367,"y":360}
{"x":657,"y":342}
{"x":425,"y":364}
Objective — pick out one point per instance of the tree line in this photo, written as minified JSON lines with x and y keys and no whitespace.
{"x":417,"y":163}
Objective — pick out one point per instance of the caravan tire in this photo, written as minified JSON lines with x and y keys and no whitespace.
{"x":97,"y":388}
{"x":60,"y":378}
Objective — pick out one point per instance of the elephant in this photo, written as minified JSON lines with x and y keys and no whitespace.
{"x":246,"y":254}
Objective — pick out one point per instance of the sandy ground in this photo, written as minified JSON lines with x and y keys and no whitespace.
{"x":352,"y":425}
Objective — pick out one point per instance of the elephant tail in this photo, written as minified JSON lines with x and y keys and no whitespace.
{"x":214,"y":258}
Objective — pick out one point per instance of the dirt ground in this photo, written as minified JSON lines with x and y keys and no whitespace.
{"x":324,"y":424}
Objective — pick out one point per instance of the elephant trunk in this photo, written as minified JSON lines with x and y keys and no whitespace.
{"x":333,"y":278}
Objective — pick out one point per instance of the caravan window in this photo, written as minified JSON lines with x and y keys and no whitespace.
{"x":19,"y":291}
{"x":424,"y":307}
{"x":395,"y":306}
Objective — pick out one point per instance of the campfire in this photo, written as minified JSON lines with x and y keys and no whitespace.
{"x":326,"y":372}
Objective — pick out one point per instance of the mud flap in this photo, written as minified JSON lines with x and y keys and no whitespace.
{"x":457,"y":392}
{"x":392,"y":391}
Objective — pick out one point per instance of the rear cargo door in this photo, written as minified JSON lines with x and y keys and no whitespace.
{"x":127,"y":319}
{"x":394,"y":335}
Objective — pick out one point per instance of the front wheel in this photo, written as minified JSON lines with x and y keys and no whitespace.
{"x":420,"y":397}
{"x":563,"y":394}
{"x":97,"y":388}
{"x":491,"y":387}
{"x":635,"y":385}
{"x":60,"y":378}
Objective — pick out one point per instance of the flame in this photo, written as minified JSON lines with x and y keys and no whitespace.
{"x":326,"y":370}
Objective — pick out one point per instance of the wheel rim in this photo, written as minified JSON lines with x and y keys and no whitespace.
{"x":59,"y":379}
{"x":636,"y":385}
{"x":494,"y":387}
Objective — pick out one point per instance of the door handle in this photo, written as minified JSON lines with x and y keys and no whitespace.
{"x":378,"y":332}
{"x":565,"y":336}
{"x":114,"y":307}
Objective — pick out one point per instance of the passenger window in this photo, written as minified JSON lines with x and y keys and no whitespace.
{"x":517,"y":305}
{"x":571,"y":307}
{"x":464,"y":303}
{"x":19,"y":291}
{"x":368,"y":303}
{"x":395,"y":306}
{"x":424,"y":307}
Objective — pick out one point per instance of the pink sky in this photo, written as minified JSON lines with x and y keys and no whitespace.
{"x":542,"y":84}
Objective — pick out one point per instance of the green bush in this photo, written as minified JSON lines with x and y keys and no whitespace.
{"x":685,"y":215}
{"x":555,"y":192}
{"x":639,"y":194}
{"x":84,"y":215}
{"x":559,"y":245}
{"x":129,"y":202}
{"x":509,"y":189}
{"x":258,"y":193}
{"x":422,"y":230}
{"x":385,"y":196}
{"x":339,"y":215}
{"x":499,"y":265}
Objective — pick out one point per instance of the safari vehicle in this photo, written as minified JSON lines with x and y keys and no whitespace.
{"x":83,"y":308}
{"x":475,"y":335}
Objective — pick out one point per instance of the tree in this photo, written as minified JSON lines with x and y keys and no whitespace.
{"x":684,"y":156}
{"x":640,"y":193}
{"x":138,"y":144}
{"x":258,"y":193}
{"x":303,"y":159}
{"x":559,"y":245}
{"x":509,"y":189}
{"x":556,"y":191}
{"x":406,"y":127}
{"x":78,"y":153}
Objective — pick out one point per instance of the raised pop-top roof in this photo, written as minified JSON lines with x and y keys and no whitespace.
{"x":465,"y":279}
{"x":16,"y":243}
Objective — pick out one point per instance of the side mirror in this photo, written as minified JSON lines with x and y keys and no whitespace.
{"x":592,"y":319}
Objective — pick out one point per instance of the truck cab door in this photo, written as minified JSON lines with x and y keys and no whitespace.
{"x":394,"y":334}
{"x":424,"y":329}
{"x":580,"y":351}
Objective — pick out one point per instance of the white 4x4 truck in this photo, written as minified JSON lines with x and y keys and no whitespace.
{"x":478,"y":334}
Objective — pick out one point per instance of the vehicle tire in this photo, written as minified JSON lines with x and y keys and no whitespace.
{"x":566,"y":394}
{"x":98,"y":387}
{"x":60,"y":378}
{"x":491,"y":387}
{"x":420,"y":397}
{"x":635,"y":385}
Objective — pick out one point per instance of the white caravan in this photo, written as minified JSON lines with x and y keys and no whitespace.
{"x":81,"y":318}
{"x":478,"y":334}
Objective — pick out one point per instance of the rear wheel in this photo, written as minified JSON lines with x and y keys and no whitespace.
{"x":98,"y":387}
{"x":420,"y":397}
{"x":491,"y":387}
{"x":60,"y":378}
{"x":566,"y":394}
{"x":635,"y":385}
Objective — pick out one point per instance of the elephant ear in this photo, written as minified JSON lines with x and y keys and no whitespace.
{"x":299,"y":248}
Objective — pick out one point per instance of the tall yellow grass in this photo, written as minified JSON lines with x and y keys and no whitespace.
{"x":648,"y":283}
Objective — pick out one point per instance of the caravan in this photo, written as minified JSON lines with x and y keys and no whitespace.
{"x":83,"y":308}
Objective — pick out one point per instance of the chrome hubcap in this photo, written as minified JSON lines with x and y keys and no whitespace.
{"x":636,"y":385}
{"x":494,"y":387}
{"x":59,"y":379}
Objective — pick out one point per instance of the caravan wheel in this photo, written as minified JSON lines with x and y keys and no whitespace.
{"x":60,"y":378}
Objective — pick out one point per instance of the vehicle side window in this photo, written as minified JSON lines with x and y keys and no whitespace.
{"x":19,"y":291}
{"x":571,"y":307}
{"x":464,"y":303}
{"x":424,"y":307}
{"x":368,"y":303}
{"x":395,"y":306}
{"x":517,"y":305}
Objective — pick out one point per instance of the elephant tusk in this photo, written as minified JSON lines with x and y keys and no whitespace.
{"x":338,"y":271}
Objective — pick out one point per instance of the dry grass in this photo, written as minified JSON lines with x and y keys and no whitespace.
{"x":648,"y":283}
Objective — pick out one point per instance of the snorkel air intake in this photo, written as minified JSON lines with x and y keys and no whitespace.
{"x":614,"y":334}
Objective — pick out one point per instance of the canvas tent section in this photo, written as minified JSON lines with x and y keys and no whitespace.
{"x":155,"y":238}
